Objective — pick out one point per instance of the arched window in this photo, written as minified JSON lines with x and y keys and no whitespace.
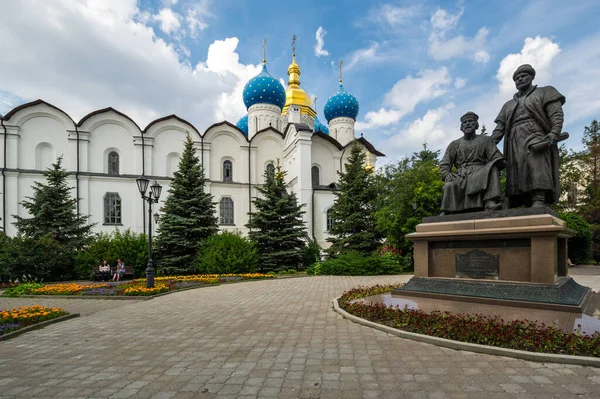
{"x":226,"y":211}
{"x":172,"y":163}
{"x":329,"y":220}
{"x":270,"y":170}
{"x":314,"y":174}
{"x":113,"y":163}
{"x":44,"y":156}
{"x":227,"y":171}
{"x":112,"y":208}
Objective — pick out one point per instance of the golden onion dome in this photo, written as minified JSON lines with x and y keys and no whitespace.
{"x":294,"y":94}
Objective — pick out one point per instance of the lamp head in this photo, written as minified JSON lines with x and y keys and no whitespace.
{"x":142,"y":183}
{"x":156,"y":190}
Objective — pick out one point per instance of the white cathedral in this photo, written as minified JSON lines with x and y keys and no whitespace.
{"x":106,"y":151}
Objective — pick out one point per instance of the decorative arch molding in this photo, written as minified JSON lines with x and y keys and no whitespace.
{"x":103,"y":116}
{"x":224,"y":124}
{"x":329,"y":147}
{"x":172,"y":163}
{"x":37,"y":108}
{"x":44,"y":155}
{"x":271,"y":135}
{"x":170,"y":122}
{"x":266,"y":131}
{"x":211,"y":135}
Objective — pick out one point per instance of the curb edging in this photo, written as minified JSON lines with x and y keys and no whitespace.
{"x":466,"y":346}
{"x":37,"y":326}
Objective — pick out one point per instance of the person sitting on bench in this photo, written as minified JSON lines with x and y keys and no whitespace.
{"x":104,"y":270}
{"x":120,"y":272}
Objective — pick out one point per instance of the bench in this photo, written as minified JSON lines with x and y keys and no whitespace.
{"x":129,"y":273}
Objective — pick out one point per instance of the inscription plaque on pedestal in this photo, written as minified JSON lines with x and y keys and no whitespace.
{"x":477,"y":264}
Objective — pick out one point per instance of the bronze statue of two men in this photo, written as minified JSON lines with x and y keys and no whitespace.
{"x":531,"y":125}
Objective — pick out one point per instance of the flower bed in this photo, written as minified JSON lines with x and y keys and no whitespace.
{"x":474,"y":328}
{"x":17,"y":318}
{"x":132,"y":288}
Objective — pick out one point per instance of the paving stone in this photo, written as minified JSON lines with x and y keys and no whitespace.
{"x":266,"y":339}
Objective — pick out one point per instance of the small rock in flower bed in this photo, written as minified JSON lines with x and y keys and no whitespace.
{"x":231,"y":278}
{"x":187,"y":284}
{"x":99,"y":291}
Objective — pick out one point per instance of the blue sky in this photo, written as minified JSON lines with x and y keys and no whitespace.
{"x":415,"y":66}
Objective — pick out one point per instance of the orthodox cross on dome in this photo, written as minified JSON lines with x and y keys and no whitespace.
{"x":279,"y":174}
{"x":294,"y":45}
{"x":340,"y":68}
{"x":264,"y":46}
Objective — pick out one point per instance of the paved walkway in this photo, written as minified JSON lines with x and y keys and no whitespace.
{"x":257,"y":339}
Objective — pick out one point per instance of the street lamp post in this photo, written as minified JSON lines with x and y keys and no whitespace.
{"x":151,"y":198}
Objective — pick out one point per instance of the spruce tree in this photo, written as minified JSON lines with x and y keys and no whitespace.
{"x":54,"y":232}
{"x":277,"y":227}
{"x":353,"y":210}
{"x":54,"y":212}
{"x":188,"y":216}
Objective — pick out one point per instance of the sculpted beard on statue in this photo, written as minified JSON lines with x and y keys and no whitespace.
{"x":531,"y":125}
{"x":474,"y":185}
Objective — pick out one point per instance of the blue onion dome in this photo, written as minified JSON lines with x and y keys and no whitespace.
{"x":320,"y":127}
{"x":264,"y":89}
{"x":242,"y":124}
{"x":340,"y":104}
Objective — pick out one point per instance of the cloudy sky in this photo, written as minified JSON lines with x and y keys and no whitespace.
{"x":415,"y":66}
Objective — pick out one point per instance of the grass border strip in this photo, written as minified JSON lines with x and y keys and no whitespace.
{"x":37,"y":326}
{"x":466,"y":346}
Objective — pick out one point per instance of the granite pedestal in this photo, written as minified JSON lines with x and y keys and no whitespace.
{"x":518,"y":257}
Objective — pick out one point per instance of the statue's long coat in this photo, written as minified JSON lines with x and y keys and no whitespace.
{"x":544,"y":105}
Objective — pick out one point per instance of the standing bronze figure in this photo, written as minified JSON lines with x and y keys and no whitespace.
{"x":531,"y":125}
{"x":474,"y":183}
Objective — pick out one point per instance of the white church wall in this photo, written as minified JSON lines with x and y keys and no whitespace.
{"x":168,"y":142}
{"x":268,"y":147}
{"x":326,"y":156}
{"x":323,"y":200}
{"x":226,"y":145}
{"x":42,"y":137}
{"x":239,"y":195}
{"x":110,"y":132}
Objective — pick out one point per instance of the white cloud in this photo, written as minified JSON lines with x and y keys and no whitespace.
{"x":374,"y":119}
{"x":364,"y":55}
{"x":444,"y":46}
{"x":460,"y":82}
{"x":320,"y":35}
{"x":195,"y":20}
{"x":393,"y":15}
{"x":430,"y":128}
{"x":538,"y":51}
{"x":442,"y":21}
{"x":169,"y":21}
{"x":428,"y":85}
{"x":98,"y":54}
{"x":482,"y":57}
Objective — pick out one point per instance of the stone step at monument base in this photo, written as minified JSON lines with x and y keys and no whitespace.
{"x":565,"y":295}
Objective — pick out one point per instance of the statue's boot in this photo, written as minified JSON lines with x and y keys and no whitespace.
{"x":493,"y":205}
{"x":538,"y":199}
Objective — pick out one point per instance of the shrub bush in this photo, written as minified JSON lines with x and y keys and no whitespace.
{"x":580,"y":245}
{"x":225,"y":253}
{"x":356,"y":264}
{"x":40,"y":259}
{"x":131,"y":247}
{"x":311,"y":254}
